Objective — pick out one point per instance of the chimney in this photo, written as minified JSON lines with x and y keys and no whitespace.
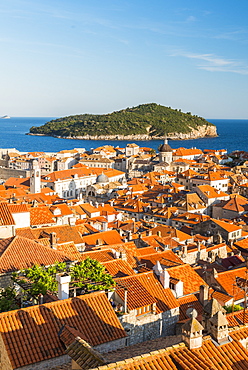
{"x":105,"y":226}
{"x":219,"y":327}
{"x":162,"y":274}
{"x":72,"y":221}
{"x":53,"y":240}
{"x":63,"y":280}
{"x":116,"y":253}
{"x":192,"y":333}
{"x":125,"y":300}
{"x":184,"y":250}
{"x":123,"y":255}
{"x":203,"y":297}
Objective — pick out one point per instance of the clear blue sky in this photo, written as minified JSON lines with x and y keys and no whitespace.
{"x":62,"y":57}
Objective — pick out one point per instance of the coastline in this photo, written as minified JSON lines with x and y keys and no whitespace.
{"x":203,"y":132}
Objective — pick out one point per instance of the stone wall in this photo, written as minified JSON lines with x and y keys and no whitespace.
{"x":6,"y":173}
{"x":149,"y":326}
{"x":48,"y":364}
{"x":5,"y":280}
{"x":111,"y":346}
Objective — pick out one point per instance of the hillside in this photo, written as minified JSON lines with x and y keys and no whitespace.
{"x":146,"y":121}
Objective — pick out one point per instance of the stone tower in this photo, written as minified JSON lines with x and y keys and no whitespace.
{"x":192,"y":333}
{"x":35,"y":182}
{"x":219,"y":327}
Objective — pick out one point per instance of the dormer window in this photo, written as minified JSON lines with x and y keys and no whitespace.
{"x":144,"y":310}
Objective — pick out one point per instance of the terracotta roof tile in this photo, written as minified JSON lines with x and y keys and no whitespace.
{"x":40,"y":216}
{"x":227,"y":281}
{"x":64,"y":233}
{"x":18,"y":208}
{"x":32,"y":332}
{"x":191,"y":280}
{"x":190,"y":301}
{"x":107,"y":237}
{"x":166,"y":258}
{"x":145,"y":289}
{"x":5,"y":215}
{"x":118,"y":268}
{"x":18,"y":253}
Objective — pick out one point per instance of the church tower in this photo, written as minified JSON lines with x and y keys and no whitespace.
{"x":165,"y":152}
{"x":35,"y":182}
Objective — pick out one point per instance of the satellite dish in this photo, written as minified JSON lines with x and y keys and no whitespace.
{"x":191,"y":312}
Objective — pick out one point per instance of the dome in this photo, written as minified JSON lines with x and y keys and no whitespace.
{"x":165,"y":147}
{"x":102,"y":178}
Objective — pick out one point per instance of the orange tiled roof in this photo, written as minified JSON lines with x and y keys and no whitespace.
{"x":184,"y":152}
{"x":26,"y":232}
{"x":227,"y":280}
{"x":80,"y":172}
{"x":190,"y":301}
{"x":226,"y":225}
{"x":166,"y":258}
{"x":5,"y":215}
{"x":63,"y":208}
{"x":17,"y":253}
{"x":143,"y":290}
{"x":118,"y":268}
{"x":18,"y":208}
{"x":99,"y":255}
{"x":191,"y":280}
{"x":40,"y":216}
{"x":164,"y":297}
{"x":64,"y":233}
{"x":68,"y":249}
{"x":31,"y":335}
{"x":228,"y":356}
{"x":128,"y":247}
{"x":107,"y":237}
{"x":16,"y":182}
{"x":211,"y":192}
{"x":137,"y":295}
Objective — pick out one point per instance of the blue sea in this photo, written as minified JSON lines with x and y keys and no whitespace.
{"x":233,"y":135}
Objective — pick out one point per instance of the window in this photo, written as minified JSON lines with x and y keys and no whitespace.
{"x":143,"y":310}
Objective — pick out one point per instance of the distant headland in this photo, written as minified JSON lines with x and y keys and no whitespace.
{"x":144,"y":122}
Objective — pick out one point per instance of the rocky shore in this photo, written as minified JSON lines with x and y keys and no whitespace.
{"x":203,"y":131}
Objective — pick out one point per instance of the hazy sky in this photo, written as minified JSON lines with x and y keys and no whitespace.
{"x":62,"y":57}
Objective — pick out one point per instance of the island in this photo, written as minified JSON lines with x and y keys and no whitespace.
{"x":143,"y":122}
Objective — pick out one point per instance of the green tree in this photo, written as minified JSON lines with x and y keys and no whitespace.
{"x":89,"y":275}
{"x":233,"y":308}
{"x":42,"y":279}
{"x":8,"y":300}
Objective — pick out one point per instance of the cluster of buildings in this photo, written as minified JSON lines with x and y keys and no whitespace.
{"x":170,"y":227}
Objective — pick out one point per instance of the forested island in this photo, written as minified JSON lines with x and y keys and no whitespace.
{"x":144,"y":122}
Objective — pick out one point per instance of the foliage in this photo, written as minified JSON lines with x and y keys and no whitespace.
{"x":233,"y":308}
{"x":152,"y":118}
{"x":42,"y":279}
{"x":8,"y":299}
{"x":88,"y":275}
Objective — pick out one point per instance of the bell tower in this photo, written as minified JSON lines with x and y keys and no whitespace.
{"x":165,"y":152}
{"x":35,"y":182}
